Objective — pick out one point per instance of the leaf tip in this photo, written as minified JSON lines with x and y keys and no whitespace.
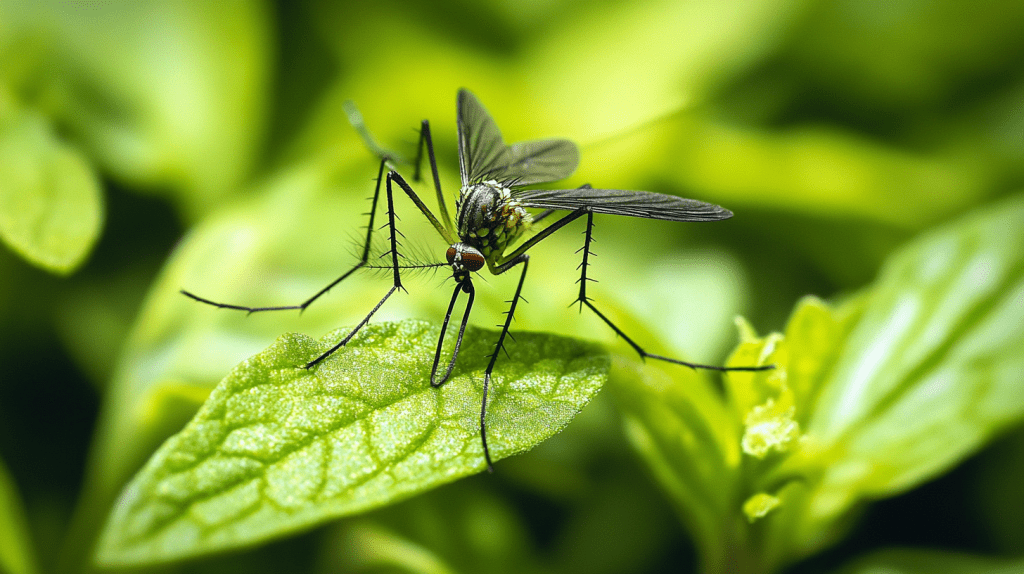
{"x":759,"y":505}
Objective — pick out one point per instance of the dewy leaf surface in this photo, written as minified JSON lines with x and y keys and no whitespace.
{"x":51,"y":206}
{"x":278,"y":448}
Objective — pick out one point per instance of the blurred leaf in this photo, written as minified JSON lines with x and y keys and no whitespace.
{"x":609,"y":69}
{"x":911,"y":561}
{"x":463,"y":527}
{"x":818,"y":171}
{"x":694,"y":441}
{"x":931,"y":370}
{"x":621,"y":525}
{"x":163,"y":94}
{"x":365,"y":547}
{"x":935,"y":365}
{"x":866,"y":400}
{"x":51,"y":208}
{"x":278,"y":448}
{"x":586,"y":71}
{"x":650,"y":129}
{"x":814,"y":337}
{"x":907,"y":55}
{"x":677,"y":422}
{"x":15,"y":547}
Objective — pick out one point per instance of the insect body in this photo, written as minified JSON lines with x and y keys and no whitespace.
{"x":491,"y":217}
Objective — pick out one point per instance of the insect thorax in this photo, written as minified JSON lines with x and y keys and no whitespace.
{"x":489,"y":218}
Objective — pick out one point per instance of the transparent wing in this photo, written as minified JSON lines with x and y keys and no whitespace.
{"x":539,"y":162}
{"x":481,"y":149}
{"x":483,"y":154}
{"x":644,"y":204}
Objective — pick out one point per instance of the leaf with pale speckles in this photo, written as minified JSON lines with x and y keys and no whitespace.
{"x":277,"y":448}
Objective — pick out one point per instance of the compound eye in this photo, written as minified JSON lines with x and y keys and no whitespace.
{"x":451,"y":255}
{"x":473,"y":261}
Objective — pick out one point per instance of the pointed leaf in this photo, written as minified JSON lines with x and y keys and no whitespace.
{"x":277,"y":448}
{"x":51,"y":208}
{"x":934,"y":367}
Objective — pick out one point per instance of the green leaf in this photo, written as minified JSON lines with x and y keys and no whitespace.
{"x":921,"y":378}
{"x":163,"y":95}
{"x":277,"y":448}
{"x":677,"y":422}
{"x":51,"y":207}
{"x":867,"y":400}
{"x":367,"y":547}
{"x":910,"y":561}
{"x":15,"y":547}
{"x":464,"y":527}
{"x":934,"y":367}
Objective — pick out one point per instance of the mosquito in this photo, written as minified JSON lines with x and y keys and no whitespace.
{"x":490,"y":217}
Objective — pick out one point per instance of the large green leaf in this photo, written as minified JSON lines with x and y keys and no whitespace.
{"x":51,"y":206}
{"x":278,"y":448}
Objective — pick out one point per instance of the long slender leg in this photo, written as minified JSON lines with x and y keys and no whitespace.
{"x":585,"y":263}
{"x":362,"y":261}
{"x":512,"y":259}
{"x":348,"y":337}
{"x":426,"y":140}
{"x":396,"y":286}
{"x":467,"y":286}
{"x":448,"y":236}
{"x":440,"y":339}
{"x":525,"y":260}
{"x":584,"y":300}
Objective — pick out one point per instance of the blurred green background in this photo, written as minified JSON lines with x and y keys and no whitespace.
{"x":151,"y":146}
